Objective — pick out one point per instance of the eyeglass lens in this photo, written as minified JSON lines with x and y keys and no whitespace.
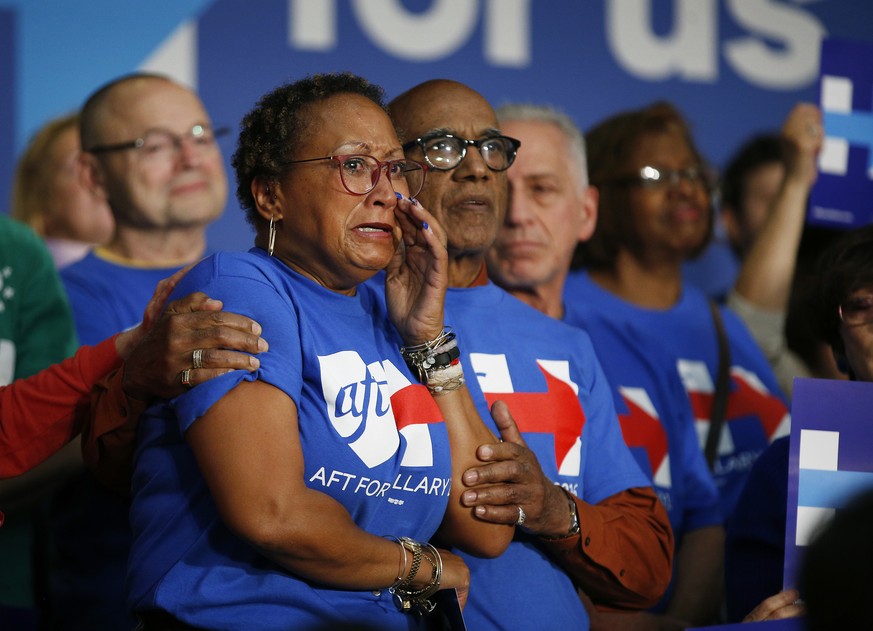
{"x":159,"y":142}
{"x":446,"y":152}
{"x":361,"y":173}
{"x":654,"y":177}
{"x":857,"y":309}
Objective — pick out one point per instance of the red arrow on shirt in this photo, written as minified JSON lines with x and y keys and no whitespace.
{"x":641,"y":429}
{"x":744,"y":401}
{"x":556,"y":411}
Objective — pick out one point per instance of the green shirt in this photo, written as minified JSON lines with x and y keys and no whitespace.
{"x":36,"y":330}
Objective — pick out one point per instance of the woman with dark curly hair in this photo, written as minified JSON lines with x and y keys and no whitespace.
{"x":304,"y":495}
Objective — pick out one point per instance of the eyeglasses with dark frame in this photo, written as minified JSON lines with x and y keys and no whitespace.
{"x":659,"y":178}
{"x":857,"y":309}
{"x":359,"y":173}
{"x":156,"y":143}
{"x":444,"y":152}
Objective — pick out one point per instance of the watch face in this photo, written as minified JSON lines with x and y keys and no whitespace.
{"x":574,"y":516}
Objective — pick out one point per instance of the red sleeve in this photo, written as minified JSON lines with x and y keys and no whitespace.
{"x":109,"y":440}
{"x":42,"y":413}
{"x":622,"y":557}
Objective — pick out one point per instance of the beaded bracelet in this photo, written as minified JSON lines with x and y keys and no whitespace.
{"x":446,"y":380}
{"x":437,"y":363}
{"x":422,"y":358}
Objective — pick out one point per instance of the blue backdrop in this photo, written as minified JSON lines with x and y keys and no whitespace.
{"x":733,"y":66}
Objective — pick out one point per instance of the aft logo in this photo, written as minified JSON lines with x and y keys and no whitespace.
{"x":372,"y":405}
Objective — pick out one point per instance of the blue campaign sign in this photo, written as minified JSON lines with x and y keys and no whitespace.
{"x":734,"y":67}
{"x":843,"y":194}
{"x":830,"y":460}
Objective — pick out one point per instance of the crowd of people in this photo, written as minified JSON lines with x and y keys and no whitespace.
{"x":460,"y":369}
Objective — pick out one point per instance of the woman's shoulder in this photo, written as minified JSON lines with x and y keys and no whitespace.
{"x":229,"y":269}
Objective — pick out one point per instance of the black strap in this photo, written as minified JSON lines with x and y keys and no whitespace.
{"x":722,"y":384}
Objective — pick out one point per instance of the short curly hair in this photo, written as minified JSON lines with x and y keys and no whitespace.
{"x":844,"y":267}
{"x":270,"y":133}
{"x":611,"y":144}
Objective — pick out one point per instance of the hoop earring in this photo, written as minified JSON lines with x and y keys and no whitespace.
{"x":271,"y":239}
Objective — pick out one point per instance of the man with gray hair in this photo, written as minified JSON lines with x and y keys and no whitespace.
{"x":551,"y":208}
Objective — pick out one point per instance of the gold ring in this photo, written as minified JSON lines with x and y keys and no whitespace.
{"x":186,"y":377}
{"x":197,"y":358}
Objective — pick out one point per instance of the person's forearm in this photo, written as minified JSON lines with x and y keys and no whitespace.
{"x":460,"y":528}
{"x":699,"y":585}
{"x":255,"y":473}
{"x":328,"y":547}
{"x":768,"y":269}
{"x":622,"y":556}
{"x":40,"y":414}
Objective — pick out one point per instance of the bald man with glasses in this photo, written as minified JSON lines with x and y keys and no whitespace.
{"x":586,"y":517}
{"x":149,"y":148}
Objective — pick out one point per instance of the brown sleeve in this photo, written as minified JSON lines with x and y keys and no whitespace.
{"x":623,"y":555}
{"x":109,"y":436}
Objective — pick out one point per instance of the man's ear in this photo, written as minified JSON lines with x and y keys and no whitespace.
{"x":590,"y":199}
{"x":91,"y":175}
{"x":265,"y":192}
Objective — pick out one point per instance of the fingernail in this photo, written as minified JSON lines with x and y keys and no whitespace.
{"x":480,"y":511}
{"x":398,"y":195}
{"x":470,"y":477}
{"x":486,"y":452}
{"x":262,"y":344}
{"x":213,"y":301}
{"x":254,"y":362}
{"x":469,"y":497}
{"x":425,"y":226}
{"x":256,"y":328}
{"x":414,"y":201}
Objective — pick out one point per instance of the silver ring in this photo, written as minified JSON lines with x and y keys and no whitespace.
{"x":197,"y":357}
{"x":521,"y":516}
{"x":186,"y":377}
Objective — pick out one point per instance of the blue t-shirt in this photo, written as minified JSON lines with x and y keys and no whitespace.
{"x":109,"y":296}
{"x":656,"y":420}
{"x":372,"y":438}
{"x":756,"y":412}
{"x":547,"y":373}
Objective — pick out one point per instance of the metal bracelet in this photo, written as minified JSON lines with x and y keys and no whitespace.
{"x":418,"y":600}
{"x":421,"y":358}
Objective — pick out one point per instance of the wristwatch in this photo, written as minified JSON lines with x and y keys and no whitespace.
{"x":574,"y":521}
{"x":574,"y":518}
